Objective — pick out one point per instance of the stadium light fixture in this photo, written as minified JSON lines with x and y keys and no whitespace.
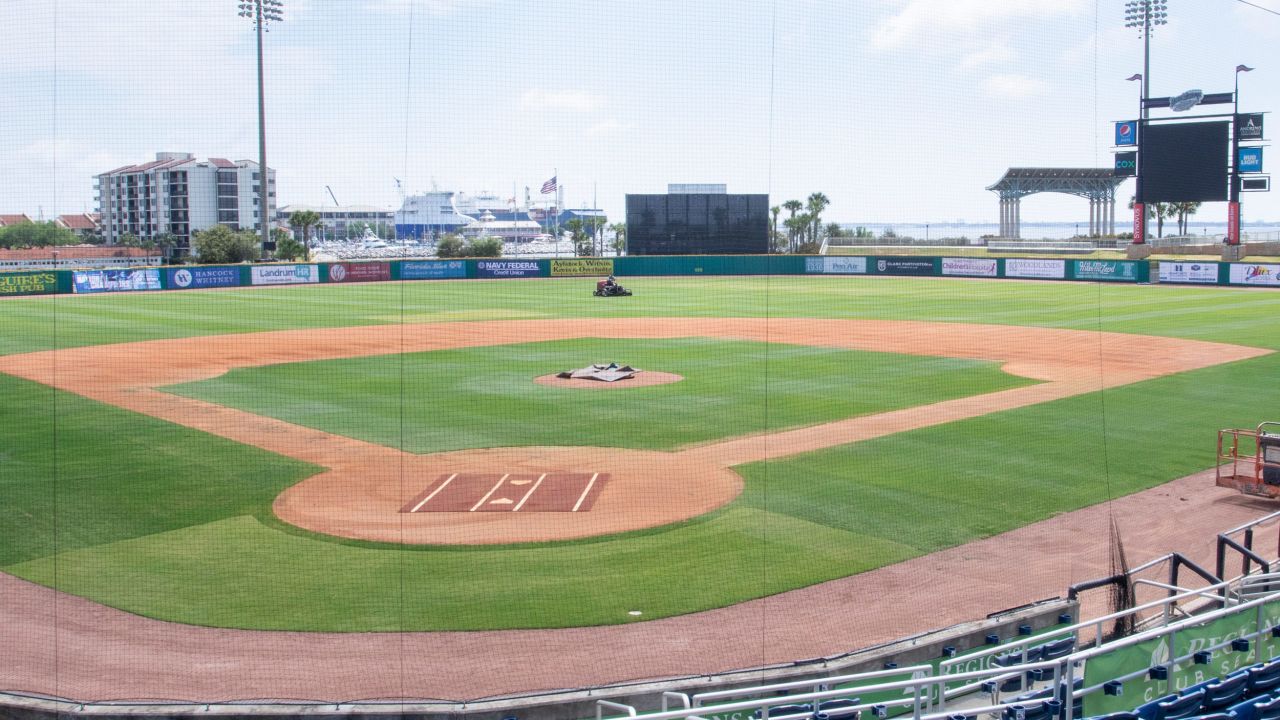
{"x":1145,"y":15}
{"x":261,"y":13}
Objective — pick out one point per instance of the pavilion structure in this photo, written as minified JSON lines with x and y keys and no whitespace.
{"x":1097,"y":185}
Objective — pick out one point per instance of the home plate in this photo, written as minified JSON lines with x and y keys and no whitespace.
{"x":570,"y":492}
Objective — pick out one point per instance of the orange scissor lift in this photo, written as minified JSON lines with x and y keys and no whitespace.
{"x":1249,"y":460}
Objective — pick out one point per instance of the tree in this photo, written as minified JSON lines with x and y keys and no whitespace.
{"x":289,"y":249}
{"x":834,"y":230}
{"x":220,"y":244}
{"x":36,"y":234}
{"x":793,"y":207}
{"x":450,"y":246}
{"x":816,"y":204}
{"x":1184,"y":212}
{"x":304,"y":220}
{"x":795,"y":228}
{"x":578,"y":234}
{"x":775,"y":211}
{"x":486,"y":246}
{"x":166,"y":242}
{"x":619,"y":237}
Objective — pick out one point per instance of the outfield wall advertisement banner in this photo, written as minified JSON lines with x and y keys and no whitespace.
{"x":904,"y":266}
{"x":1183,"y":673}
{"x":1251,"y":274}
{"x":285,"y":274}
{"x":1188,"y":272}
{"x":28,"y":283}
{"x":202,"y":277}
{"x":359,"y":272}
{"x":98,"y":281}
{"x":508,"y":268}
{"x":836,"y":265}
{"x":1121,"y":270}
{"x":1032,"y":268}
{"x":432,"y":269}
{"x":973,"y":267}
{"x":582,"y":266}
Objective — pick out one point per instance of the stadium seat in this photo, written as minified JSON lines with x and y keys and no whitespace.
{"x":1016,"y":658}
{"x":787,"y":712}
{"x":1057,"y":648}
{"x":1268,"y":709}
{"x":1224,"y":693}
{"x":1047,"y":710}
{"x":1182,"y":706}
{"x":839,"y":708}
{"x":1263,"y":678}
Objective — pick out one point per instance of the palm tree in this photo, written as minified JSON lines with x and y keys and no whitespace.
{"x":304,"y":220}
{"x":817,"y":203}
{"x":619,"y":236}
{"x":793,"y":207}
{"x":1185,"y":210}
{"x":775,"y":210}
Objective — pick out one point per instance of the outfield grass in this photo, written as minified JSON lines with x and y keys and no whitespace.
{"x":167,"y":522}
{"x":486,"y":397}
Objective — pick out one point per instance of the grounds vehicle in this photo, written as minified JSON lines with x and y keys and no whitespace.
{"x":1249,"y":460}
{"x":609,"y":288}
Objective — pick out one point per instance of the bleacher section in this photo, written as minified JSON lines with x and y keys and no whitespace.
{"x":1206,"y":653}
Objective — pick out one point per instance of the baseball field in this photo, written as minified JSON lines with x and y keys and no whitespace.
{"x":397,"y":456}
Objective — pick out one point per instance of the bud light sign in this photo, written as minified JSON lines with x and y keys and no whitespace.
{"x":1127,"y":132}
{"x":1249,"y":160}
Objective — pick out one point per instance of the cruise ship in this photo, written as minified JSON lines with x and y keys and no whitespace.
{"x":430,"y":215}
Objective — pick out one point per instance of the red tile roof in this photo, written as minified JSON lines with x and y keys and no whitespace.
{"x":76,"y":252}
{"x":222,"y":163}
{"x":6,"y":220}
{"x":82,"y":221}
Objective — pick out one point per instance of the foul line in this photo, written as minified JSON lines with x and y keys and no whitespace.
{"x":433,"y":493}
{"x":492,"y":490}
{"x":584,"y":492}
{"x":526,"y":495}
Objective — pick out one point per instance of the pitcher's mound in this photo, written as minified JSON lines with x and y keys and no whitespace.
{"x":641,"y":379}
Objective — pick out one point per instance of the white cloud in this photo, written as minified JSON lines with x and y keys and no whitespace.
{"x":573,"y":100}
{"x":996,"y":54}
{"x":917,"y":18}
{"x":604,"y":128}
{"x":1013,"y":86}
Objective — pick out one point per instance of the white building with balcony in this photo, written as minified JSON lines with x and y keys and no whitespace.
{"x":178,"y":195}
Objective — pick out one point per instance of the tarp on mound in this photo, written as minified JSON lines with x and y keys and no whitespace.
{"x":605,"y":373}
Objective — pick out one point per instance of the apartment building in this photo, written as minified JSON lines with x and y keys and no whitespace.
{"x":178,"y":195}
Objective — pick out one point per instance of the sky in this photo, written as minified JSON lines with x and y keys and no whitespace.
{"x":897,"y":110}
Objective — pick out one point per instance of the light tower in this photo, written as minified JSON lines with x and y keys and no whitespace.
{"x":1144,"y":15}
{"x":262,"y":12}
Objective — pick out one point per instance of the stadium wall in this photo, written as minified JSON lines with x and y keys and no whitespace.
{"x":193,"y":277}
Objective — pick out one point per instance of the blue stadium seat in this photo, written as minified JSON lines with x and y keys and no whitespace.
{"x":1182,"y":706}
{"x":1268,"y":709}
{"x":1047,"y":710}
{"x":839,"y":709}
{"x":787,"y":711}
{"x":1263,"y":678}
{"x":1224,"y":693}
{"x":1016,"y":658}
{"x":1057,"y":648}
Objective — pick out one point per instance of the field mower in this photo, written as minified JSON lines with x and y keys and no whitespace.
{"x":606,"y":288}
{"x":1249,"y":460}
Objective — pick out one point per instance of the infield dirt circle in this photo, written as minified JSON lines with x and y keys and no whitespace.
{"x":365,"y":489}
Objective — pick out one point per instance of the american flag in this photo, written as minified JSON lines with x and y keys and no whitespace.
{"x":549,"y":186}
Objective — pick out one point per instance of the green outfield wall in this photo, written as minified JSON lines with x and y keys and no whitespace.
{"x":196,"y":277}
